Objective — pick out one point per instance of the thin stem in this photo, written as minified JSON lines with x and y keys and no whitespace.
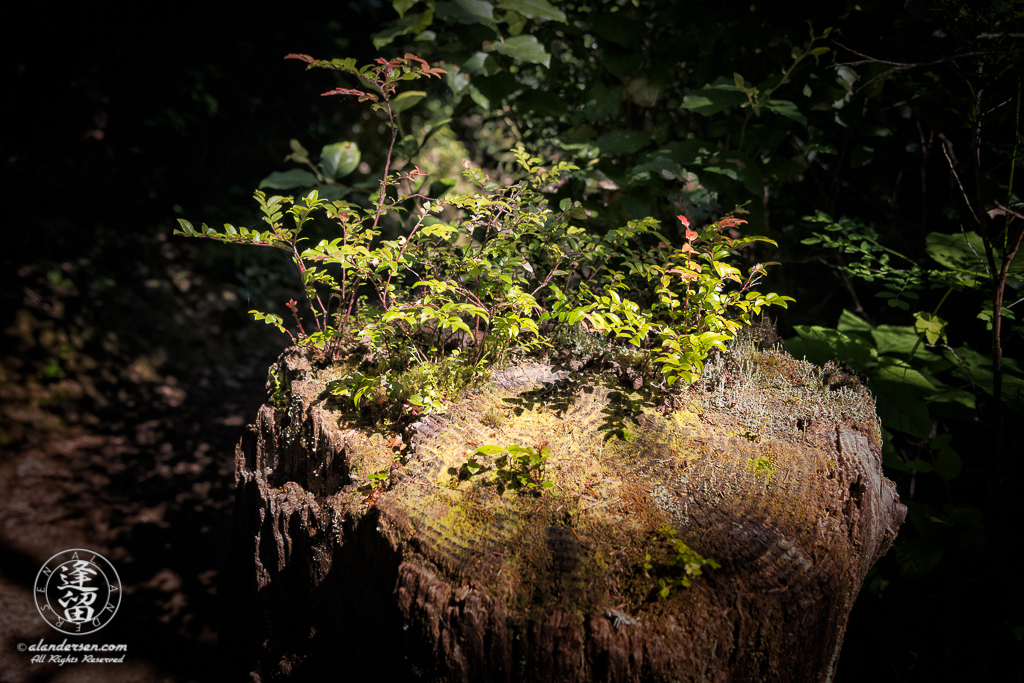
{"x":387,"y":159}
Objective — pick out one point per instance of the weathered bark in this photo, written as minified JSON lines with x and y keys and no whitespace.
{"x":765,"y":470}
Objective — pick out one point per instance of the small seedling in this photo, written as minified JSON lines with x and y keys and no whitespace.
{"x":515,"y":467}
{"x":684,"y":562}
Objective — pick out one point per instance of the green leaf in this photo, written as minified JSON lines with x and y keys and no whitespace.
{"x":623,"y":141}
{"x":727,"y":172}
{"x":742,"y":168}
{"x":525,"y":49}
{"x":412,"y":24}
{"x":898,"y":339}
{"x":435,"y":228}
{"x":535,"y":9}
{"x":961,"y":252}
{"x":467,"y":12}
{"x":481,"y":64}
{"x":787,"y":109}
{"x":402,"y":6}
{"x":339,"y":159}
{"x":299,"y":154}
{"x":516,"y":22}
{"x":656,"y":166}
{"x":977,"y":366}
{"x":289,"y":180}
{"x":849,"y":322}
{"x":822,"y":344}
{"x":714,"y":98}
{"x":901,"y":408}
{"x":895,"y":370}
{"x":695,"y":152}
{"x":947,"y":463}
{"x":406,"y":100}
{"x":931,"y":326}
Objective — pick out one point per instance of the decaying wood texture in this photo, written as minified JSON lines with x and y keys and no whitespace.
{"x":762,"y":467}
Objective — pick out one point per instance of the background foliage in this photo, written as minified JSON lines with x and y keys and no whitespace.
{"x":883,"y":168}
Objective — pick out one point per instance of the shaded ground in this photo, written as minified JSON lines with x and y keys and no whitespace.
{"x":153,"y":495}
{"x":122,"y":443}
{"x":128,"y":367}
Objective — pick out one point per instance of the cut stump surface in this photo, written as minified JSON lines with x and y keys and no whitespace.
{"x":447,"y":573}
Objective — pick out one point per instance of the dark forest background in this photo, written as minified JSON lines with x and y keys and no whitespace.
{"x":129,"y":364}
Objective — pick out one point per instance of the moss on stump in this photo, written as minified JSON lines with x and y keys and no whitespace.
{"x":441,"y":576}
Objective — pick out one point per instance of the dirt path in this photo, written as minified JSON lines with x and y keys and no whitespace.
{"x":152,"y":494}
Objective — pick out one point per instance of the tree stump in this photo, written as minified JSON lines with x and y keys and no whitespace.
{"x":761,"y":467}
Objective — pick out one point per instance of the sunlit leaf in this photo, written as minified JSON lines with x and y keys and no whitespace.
{"x":962,"y":252}
{"x":339,"y":159}
{"x":932,"y":326}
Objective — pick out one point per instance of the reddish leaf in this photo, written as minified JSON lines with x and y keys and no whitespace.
{"x":349,"y":91}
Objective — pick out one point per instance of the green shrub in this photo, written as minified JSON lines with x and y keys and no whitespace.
{"x":484,"y":276}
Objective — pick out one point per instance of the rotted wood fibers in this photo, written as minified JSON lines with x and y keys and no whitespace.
{"x":443,"y":577}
